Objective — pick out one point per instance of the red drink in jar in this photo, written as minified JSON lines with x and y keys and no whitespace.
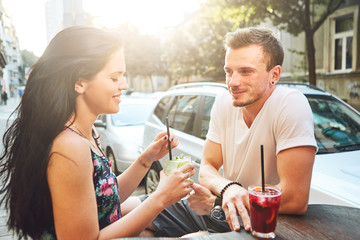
{"x":264,"y":208}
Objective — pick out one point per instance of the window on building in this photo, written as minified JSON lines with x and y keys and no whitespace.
{"x":343,"y":25}
{"x":344,"y":30}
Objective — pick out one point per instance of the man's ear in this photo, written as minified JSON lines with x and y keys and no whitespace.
{"x":275,"y":75}
{"x":80,"y":85}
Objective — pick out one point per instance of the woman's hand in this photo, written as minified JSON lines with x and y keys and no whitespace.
{"x":159,"y":148}
{"x":176,"y":186}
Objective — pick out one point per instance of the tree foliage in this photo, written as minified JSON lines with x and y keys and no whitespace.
{"x":143,"y":53}
{"x":29,"y":58}
{"x":293,"y":16}
{"x":195,"y":47}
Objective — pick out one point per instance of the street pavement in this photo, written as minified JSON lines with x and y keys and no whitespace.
{"x":5,"y":111}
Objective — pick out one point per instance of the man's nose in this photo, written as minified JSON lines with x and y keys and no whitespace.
{"x":234,"y":79}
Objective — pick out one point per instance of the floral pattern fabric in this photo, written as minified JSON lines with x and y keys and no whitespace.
{"x":106,"y":190}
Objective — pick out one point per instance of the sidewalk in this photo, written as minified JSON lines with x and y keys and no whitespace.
{"x":5,"y":111}
{"x":12,"y":103}
{"x":4,"y":232}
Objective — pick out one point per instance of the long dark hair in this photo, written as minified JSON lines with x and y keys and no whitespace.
{"x":47,"y":104}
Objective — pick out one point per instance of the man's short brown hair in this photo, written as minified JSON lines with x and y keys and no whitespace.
{"x":264,"y":37}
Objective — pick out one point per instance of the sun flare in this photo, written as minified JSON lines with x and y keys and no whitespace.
{"x":149,"y":16}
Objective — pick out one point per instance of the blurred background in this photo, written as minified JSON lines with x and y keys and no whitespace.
{"x":178,"y":41}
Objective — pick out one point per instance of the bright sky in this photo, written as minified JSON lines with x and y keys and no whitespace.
{"x":149,"y":15}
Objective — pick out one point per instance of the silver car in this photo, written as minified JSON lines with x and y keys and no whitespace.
{"x":336,"y":172}
{"x":121,"y":133}
{"x":188,"y":108}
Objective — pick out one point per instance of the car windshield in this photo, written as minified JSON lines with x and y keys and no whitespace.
{"x":337,"y":127}
{"x":131,"y":114}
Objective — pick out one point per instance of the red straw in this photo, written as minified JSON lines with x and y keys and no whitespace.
{"x":262,"y":168}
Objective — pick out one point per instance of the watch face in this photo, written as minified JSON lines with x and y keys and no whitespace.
{"x":218,"y":213}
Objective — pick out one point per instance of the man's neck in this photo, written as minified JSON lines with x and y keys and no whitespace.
{"x":251,"y":111}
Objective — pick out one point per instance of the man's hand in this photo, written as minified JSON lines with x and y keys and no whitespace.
{"x":236,"y":201}
{"x":201,"y":200}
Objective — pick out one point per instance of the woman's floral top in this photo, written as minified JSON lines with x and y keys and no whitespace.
{"x":106,"y":191}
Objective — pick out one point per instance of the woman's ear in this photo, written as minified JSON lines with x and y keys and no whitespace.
{"x":80,"y":86}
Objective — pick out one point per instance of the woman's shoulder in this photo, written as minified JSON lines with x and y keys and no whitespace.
{"x":69,"y":145}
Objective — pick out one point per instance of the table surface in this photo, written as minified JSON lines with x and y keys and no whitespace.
{"x":319,"y":222}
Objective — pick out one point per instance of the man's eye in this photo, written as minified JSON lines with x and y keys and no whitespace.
{"x":246,"y":71}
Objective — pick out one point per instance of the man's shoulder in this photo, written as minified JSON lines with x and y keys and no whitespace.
{"x":283,"y":94}
{"x":283,"y":91}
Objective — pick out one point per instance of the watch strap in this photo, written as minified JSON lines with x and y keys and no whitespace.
{"x":218,"y":201}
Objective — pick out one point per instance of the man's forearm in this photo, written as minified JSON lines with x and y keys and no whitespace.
{"x":210,"y":178}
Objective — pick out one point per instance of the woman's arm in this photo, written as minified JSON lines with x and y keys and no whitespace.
{"x":70,"y":178}
{"x":131,"y":178}
{"x":170,"y":190}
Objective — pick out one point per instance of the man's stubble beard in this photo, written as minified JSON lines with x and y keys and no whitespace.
{"x":243,"y":104}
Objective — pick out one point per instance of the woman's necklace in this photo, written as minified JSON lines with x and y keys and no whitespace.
{"x":91,"y":143}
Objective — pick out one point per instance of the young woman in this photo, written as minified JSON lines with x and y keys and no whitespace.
{"x":57,"y":182}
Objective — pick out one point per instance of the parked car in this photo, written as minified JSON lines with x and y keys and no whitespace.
{"x":336,"y":172}
{"x":188,"y":108}
{"x":121,"y":133}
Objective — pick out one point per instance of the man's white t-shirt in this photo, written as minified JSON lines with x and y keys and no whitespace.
{"x":285,"y":121}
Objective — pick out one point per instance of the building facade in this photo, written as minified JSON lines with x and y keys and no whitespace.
{"x":62,"y":14}
{"x":337,"y":45}
{"x":11,"y":62}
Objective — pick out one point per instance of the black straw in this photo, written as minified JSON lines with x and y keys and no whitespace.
{"x":168,"y":133}
{"x":262,"y":168}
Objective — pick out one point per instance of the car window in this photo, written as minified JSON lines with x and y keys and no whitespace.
{"x":337,"y":127}
{"x":209,"y":101}
{"x":182,"y":113}
{"x":131,"y":114}
{"x":102,"y":118}
{"x":161,"y":107}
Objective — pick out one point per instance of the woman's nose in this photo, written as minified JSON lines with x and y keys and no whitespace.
{"x":123,"y":84}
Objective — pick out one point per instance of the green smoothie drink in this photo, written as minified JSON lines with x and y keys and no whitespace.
{"x":178,"y":162}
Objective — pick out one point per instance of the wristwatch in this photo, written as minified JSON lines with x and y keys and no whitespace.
{"x":217,"y":212}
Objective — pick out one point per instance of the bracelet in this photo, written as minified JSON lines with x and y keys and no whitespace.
{"x":142,"y":163}
{"x":228,"y":185}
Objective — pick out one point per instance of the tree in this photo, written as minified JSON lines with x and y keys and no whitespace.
{"x":195,"y":47}
{"x":28,"y":57}
{"x":182,"y":52}
{"x":294,"y":16}
{"x":144,"y":58}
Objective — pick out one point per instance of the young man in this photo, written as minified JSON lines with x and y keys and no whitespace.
{"x":252,"y":113}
